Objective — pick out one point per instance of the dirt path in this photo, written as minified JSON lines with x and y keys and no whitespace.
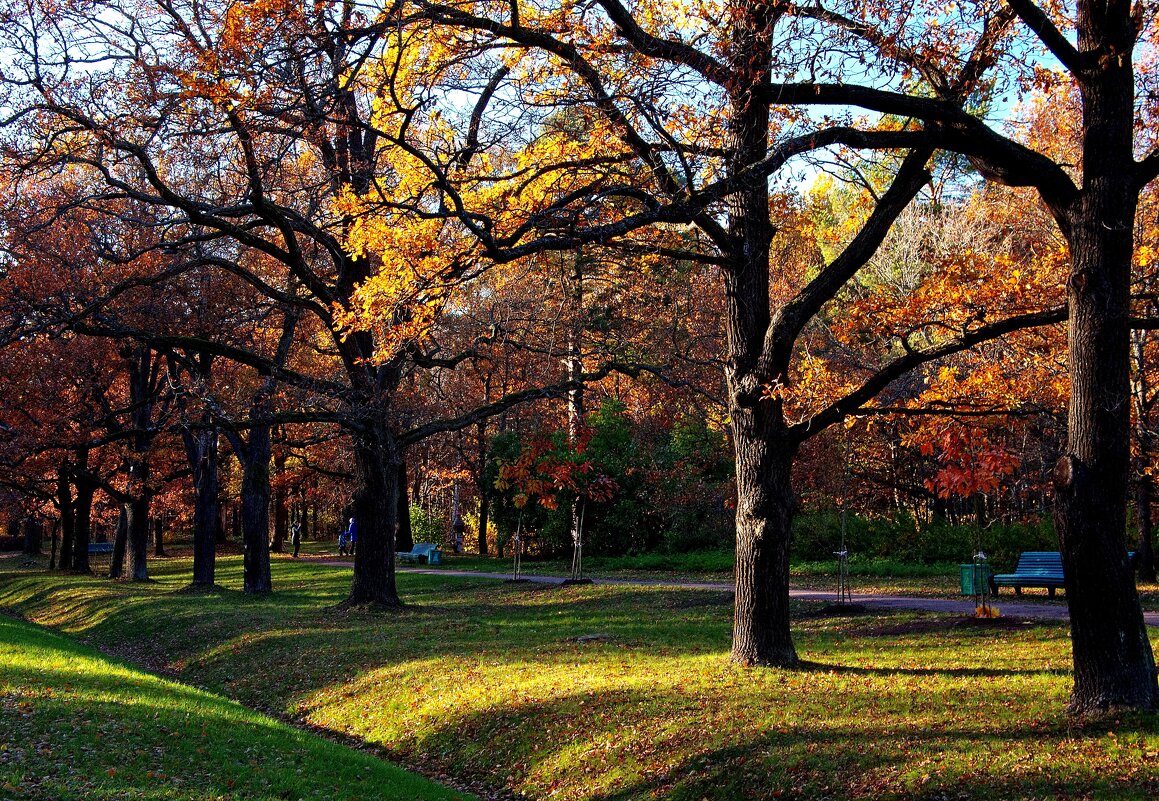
{"x":1008,"y":605}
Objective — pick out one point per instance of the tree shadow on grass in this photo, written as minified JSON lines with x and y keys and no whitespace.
{"x":919,"y":769}
{"x":818,"y":758}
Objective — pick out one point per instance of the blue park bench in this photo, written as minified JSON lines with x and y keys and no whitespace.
{"x":421,"y":552}
{"x":1035,"y":569}
{"x":100,"y":547}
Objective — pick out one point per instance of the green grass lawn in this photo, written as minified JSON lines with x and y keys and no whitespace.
{"x":612,"y":692}
{"x":75,"y":724}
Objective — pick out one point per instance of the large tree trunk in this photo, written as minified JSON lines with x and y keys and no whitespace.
{"x":1113,"y":663}
{"x":763,"y":455}
{"x":137,"y":517}
{"x":138,"y":546}
{"x":255,"y":512}
{"x":145,"y":388}
{"x":764,"y":517}
{"x":377,"y":461}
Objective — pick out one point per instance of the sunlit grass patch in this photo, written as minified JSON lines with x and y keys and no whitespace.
{"x":77,"y":725}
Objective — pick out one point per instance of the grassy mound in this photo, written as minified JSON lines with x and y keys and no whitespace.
{"x":75,"y":724}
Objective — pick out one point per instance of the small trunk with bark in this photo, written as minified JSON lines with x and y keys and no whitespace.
{"x":404,"y":540}
{"x":255,"y":512}
{"x":481,"y":483}
{"x":138,"y":546}
{"x":64,"y":502}
{"x":82,"y":524}
{"x":764,"y":518}
{"x":33,"y":537}
{"x":120,"y":544}
{"x":201,"y":450}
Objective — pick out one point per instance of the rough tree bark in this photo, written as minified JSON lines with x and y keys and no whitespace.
{"x":764,"y":510}
{"x":137,"y":520}
{"x":1114,"y":666}
{"x":574,"y":361}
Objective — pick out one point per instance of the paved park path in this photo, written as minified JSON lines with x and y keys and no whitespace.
{"x":1008,"y":606}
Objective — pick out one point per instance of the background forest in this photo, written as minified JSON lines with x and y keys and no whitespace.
{"x":956,"y":454}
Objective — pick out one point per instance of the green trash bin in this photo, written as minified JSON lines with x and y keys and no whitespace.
{"x":975,"y":578}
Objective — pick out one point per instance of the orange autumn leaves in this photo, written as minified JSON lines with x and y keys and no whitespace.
{"x":969,"y":461}
{"x":542,"y":471}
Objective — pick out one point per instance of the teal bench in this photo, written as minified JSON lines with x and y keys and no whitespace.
{"x":426,"y":552}
{"x":1034,"y":569}
{"x":100,"y":547}
{"x":1037,"y":569}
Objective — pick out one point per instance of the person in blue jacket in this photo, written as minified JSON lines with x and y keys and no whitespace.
{"x":352,"y":535}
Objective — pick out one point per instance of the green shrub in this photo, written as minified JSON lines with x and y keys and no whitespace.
{"x":817,"y":535}
{"x":426,"y":526}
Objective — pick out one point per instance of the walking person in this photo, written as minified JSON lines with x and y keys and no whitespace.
{"x":296,"y":536}
{"x":352,"y":535}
